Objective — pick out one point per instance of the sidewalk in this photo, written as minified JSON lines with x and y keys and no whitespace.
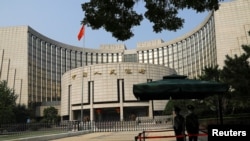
{"x":103,"y":136}
{"x":150,"y":135}
{"x":124,"y":136}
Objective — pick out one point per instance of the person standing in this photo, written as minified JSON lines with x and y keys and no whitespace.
{"x":179,"y":125}
{"x":192,"y":124}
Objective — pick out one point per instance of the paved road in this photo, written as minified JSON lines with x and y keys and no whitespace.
{"x":122,"y":136}
{"x":104,"y":136}
{"x":118,"y":136}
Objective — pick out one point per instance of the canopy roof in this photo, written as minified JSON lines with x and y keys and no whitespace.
{"x":178,"y":87}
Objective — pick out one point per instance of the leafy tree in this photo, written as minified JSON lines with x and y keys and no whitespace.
{"x":119,"y":16}
{"x":211,"y":73}
{"x":7,"y":103}
{"x":236,"y":72}
{"x":21,"y":113}
{"x":32,"y":110}
{"x":215,"y":74}
{"x":201,"y":107}
{"x":50,"y":114}
{"x":181,"y":103}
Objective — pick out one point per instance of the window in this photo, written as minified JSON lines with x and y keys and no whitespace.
{"x":130,"y":57}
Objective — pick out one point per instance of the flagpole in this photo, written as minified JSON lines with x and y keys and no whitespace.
{"x":83,"y":53}
{"x":80,"y":35}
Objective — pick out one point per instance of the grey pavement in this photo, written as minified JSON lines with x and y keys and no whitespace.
{"x":107,"y":136}
{"x":104,"y":136}
{"x":111,"y":136}
{"x":123,"y":136}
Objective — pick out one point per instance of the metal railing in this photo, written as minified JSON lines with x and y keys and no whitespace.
{"x":95,"y":126}
{"x":111,"y":126}
{"x":39,"y":129}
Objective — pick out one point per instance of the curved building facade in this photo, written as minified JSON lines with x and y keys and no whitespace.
{"x":104,"y":91}
{"x":221,"y":33}
{"x":33,"y":64}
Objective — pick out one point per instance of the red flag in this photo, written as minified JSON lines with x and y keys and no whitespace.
{"x":81,"y":33}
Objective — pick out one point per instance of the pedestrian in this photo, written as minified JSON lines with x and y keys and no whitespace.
{"x":179,"y":125}
{"x":192,"y":124}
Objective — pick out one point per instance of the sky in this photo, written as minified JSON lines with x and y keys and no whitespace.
{"x":60,"y":20}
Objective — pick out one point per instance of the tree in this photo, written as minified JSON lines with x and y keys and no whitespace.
{"x":236,"y":72}
{"x":215,"y":74}
{"x":119,"y":16}
{"x":50,"y":114}
{"x":7,"y":103}
{"x":181,"y":103}
{"x":21,"y":113}
{"x":211,"y":73}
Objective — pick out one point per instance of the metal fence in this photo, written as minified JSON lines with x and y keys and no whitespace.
{"x":92,"y":126}
{"x":10,"y":129}
{"x":111,"y":126}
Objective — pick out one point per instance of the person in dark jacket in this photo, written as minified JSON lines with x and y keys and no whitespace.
{"x":179,"y":125}
{"x":192,"y":124}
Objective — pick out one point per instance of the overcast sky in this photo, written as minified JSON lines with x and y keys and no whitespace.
{"x":61,"y":20}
